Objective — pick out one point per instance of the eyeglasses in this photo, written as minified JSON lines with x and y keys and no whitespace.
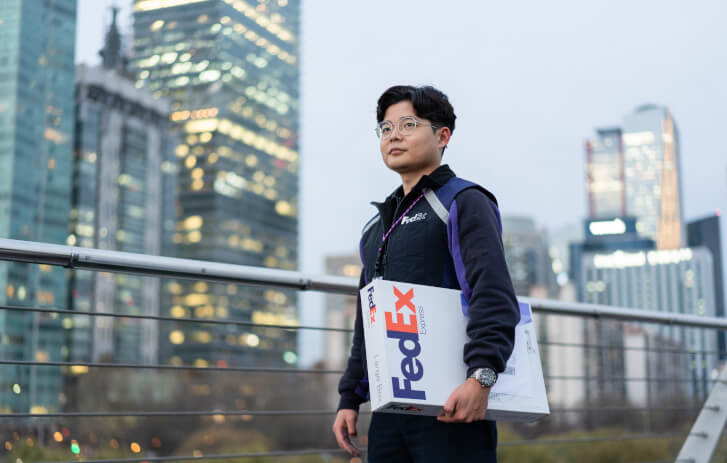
{"x":406,"y":126}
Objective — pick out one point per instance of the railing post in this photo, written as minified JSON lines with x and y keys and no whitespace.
{"x":707,"y":430}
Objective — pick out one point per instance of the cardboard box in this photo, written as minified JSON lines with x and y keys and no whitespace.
{"x":414,"y":337}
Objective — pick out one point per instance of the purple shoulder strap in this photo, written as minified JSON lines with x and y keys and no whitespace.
{"x":446,"y":195}
{"x":447,"y":192}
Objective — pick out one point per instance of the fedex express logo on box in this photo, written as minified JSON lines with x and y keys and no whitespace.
{"x":401,"y":324}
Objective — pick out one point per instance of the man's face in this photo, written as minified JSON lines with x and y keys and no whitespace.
{"x":417,"y":151}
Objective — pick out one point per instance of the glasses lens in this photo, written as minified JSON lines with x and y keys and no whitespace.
{"x":383,"y":130}
{"x":407,"y":125}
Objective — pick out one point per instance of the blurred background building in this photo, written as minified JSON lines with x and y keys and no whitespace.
{"x":527,"y":257}
{"x":36,"y":133}
{"x":634,"y":171}
{"x":706,"y":232}
{"x":632,"y":255}
{"x":340,"y":312}
{"x":653,"y":176}
{"x":605,"y":174}
{"x":675,"y":281}
{"x":231,"y":71}
{"x":123,"y":198}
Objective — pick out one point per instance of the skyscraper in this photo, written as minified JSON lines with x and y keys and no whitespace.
{"x":605,"y":174}
{"x":527,"y":257}
{"x":231,"y":70}
{"x":37,"y":42}
{"x":652,"y":175}
{"x":124,"y":181}
{"x":706,"y":232}
{"x":634,"y":171}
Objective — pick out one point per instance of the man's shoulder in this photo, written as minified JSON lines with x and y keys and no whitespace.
{"x":458,"y":188}
{"x":370,"y":224}
{"x":476,"y":193}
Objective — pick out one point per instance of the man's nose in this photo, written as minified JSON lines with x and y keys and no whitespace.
{"x":395,"y":134}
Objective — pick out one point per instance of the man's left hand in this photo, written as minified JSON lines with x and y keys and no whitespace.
{"x":466,"y":404}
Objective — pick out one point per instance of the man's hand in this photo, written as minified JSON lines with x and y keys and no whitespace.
{"x":344,"y":428}
{"x":466,"y":404}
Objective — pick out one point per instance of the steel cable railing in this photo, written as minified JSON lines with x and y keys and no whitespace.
{"x":182,"y":268}
{"x":173,"y":319}
{"x":303,"y":371}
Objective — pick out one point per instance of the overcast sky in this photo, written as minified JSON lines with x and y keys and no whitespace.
{"x":529,"y":81}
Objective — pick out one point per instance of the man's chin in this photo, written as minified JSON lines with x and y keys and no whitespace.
{"x":400,"y":166}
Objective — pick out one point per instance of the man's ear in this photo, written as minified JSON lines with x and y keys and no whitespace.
{"x":443,"y":136}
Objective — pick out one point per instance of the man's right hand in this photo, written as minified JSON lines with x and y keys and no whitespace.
{"x":344,"y":428}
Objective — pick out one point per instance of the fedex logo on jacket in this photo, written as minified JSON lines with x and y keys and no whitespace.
{"x":401,"y":324}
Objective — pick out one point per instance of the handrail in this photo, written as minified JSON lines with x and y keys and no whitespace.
{"x":173,"y":267}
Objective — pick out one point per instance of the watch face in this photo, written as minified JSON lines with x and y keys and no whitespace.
{"x":486,"y":377}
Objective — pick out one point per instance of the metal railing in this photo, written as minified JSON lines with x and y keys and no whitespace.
{"x":156,"y":266}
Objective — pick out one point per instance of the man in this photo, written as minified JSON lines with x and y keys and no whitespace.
{"x":414,"y":239}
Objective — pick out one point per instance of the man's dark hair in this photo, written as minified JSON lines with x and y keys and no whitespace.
{"x":429,"y":103}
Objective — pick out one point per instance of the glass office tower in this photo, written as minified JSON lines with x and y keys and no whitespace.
{"x":124,"y":181}
{"x":231,"y":70}
{"x":37,"y":42}
{"x":651,"y":168}
{"x":604,"y":176}
{"x":634,"y":171}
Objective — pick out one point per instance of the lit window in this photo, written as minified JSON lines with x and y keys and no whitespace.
{"x":169,"y":58}
{"x":283,"y":208}
{"x":176,"y":337}
{"x":178,"y":311}
{"x":209,"y":76}
{"x":193,"y":222}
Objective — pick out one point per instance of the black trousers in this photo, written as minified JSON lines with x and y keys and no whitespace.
{"x":423,"y":439}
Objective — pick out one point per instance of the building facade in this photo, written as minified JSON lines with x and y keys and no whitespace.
{"x":673,"y":281}
{"x":231,"y":71}
{"x":340,"y":312}
{"x":527,"y":256}
{"x":124,"y":181}
{"x":706,"y":232}
{"x":605,"y":236}
{"x":652,"y":175}
{"x":634,"y":171}
{"x":605,"y":174}
{"x":37,"y":41}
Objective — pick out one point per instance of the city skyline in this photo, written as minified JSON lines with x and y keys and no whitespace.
{"x":535,"y":100}
{"x":190,"y":135}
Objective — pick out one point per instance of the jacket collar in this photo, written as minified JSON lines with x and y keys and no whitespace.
{"x":436,"y":179}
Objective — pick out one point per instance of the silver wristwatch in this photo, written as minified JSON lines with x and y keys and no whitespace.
{"x":485,"y":376}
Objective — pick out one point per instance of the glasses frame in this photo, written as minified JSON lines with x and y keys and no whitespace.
{"x":417,"y":124}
